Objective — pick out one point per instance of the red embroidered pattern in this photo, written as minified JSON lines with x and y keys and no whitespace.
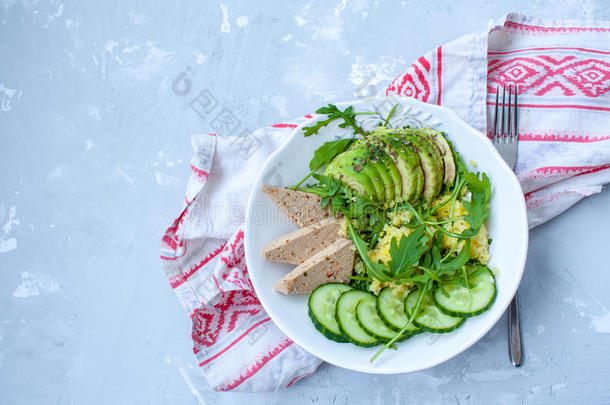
{"x":439,"y":73}
{"x":562,"y":171}
{"x":298,"y":377}
{"x":199,"y":173}
{"x":181,"y":278}
{"x":210,"y":320}
{"x":234,"y":258}
{"x":551,"y":48}
{"x":172,"y":246}
{"x":414,"y":82}
{"x":545,"y":200}
{"x":542,"y":74}
{"x":252,"y":369}
{"x":233,"y":343}
{"x":559,"y":136}
{"x":284,"y":125}
{"x":512,"y":26}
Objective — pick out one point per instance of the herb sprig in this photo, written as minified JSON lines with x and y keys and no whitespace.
{"x":333,"y":113}
{"x":324,"y":155}
{"x":369,"y":215}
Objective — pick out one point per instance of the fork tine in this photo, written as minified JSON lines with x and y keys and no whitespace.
{"x":515,"y":137}
{"x":509,"y":127}
{"x":495,"y":133}
{"x":501,"y":135}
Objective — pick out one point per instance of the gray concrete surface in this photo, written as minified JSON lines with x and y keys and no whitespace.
{"x":94,"y":159}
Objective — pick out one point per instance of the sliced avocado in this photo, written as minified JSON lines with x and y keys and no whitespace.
{"x":395,"y":175}
{"x":386,"y":169}
{"x":429,"y":156}
{"x":432,"y":163}
{"x":446,"y":153}
{"x":396,"y":164}
{"x":356,"y":180}
{"x":405,"y":159}
{"x":353,"y":166}
{"x":365,"y":158}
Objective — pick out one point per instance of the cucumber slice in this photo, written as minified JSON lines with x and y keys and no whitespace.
{"x":346,"y":318}
{"x":431,"y":318}
{"x":466,"y":303}
{"x":322,"y":304}
{"x":368,"y":319}
{"x":391,"y":309}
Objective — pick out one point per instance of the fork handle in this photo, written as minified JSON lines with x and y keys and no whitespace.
{"x":514,"y":332}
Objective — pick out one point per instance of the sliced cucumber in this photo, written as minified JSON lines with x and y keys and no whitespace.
{"x":431,"y":318}
{"x":346,"y":319}
{"x":463,"y":302}
{"x":391,"y":309}
{"x":322,"y":304}
{"x":368,"y":319}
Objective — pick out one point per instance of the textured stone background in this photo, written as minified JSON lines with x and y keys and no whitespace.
{"x":94,"y":159}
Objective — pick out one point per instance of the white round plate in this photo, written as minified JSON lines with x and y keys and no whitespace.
{"x":507,"y":226}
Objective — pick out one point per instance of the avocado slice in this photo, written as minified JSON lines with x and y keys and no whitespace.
{"x":343,"y":169}
{"x":386,"y":180}
{"x":446,"y":153}
{"x":354,"y":166}
{"x":386,"y":169}
{"x":429,"y":156}
{"x":396,"y":164}
{"x":365,"y":157}
{"x":431,"y":160}
{"x":405,"y":159}
{"x":394,"y":174}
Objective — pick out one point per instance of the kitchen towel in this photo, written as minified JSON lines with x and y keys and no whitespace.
{"x":562,"y":69}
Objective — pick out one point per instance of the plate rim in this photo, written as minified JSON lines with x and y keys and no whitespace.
{"x":416,"y":103}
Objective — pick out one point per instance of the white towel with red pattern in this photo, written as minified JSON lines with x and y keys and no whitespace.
{"x":562,"y":69}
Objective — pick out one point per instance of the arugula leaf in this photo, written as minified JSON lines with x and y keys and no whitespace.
{"x":458,"y":261}
{"x":427,"y":262}
{"x":360,"y":283}
{"x":458,"y":184}
{"x":477,"y":207}
{"x":333,"y":113}
{"x":377,"y":221}
{"x":327,"y":152}
{"x":480,"y":189}
{"x":375,"y":270}
{"x":308,"y":131}
{"x":323,"y":156}
{"x":407,"y":253}
{"x":477,"y":212}
{"x":435,"y":253}
{"x":369,"y":214}
{"x":330,"y":190}
{"x":476,"y":185}
{"x":387,"y":120}
{"x":336,"y":204}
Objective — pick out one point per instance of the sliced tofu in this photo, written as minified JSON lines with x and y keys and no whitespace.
{"x":296,"y":247}
{"x":331,"y":265}
{"x":302,"y":208}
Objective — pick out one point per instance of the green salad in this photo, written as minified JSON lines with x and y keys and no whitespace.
{"x":416,"y":217}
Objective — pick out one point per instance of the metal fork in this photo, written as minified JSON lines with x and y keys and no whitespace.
{"x":505,"y":139}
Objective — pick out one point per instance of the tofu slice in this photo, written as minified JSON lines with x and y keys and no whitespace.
{"x":302,"y":208}
{"x":333,"y":264}
{"x":296,"y":247}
